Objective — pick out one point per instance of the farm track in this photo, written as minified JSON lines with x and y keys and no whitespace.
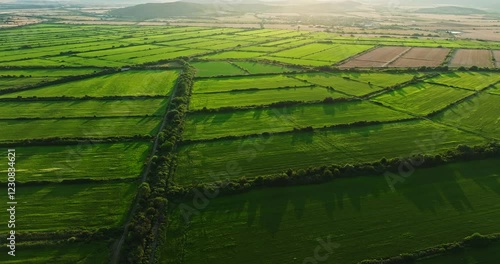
{"x":396,"y":58}
{"x":117,"y":248}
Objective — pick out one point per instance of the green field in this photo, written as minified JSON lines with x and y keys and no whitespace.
{"x":50,"y":72}
{"x":258,"y":156}
{"x":82,"y":108}
{"x":340,"y":84}
{"x":380,"y":79}
{"x":245,"y":83}
{"x":70,"y":162}
{"x":338,"y":53}
{"x":7,"y":83}
{"x":422,"y":98}
{"x":479,"y":114}
{"x":276,"y":225}
{"x":233,"y":55}
{"x":258,"y":68}
{"x":257,"y":121}
{"x":495,"y":89}
{"x":216,"y":68}
{"x":77,"y":253}
{"x":292,"y":61}
{"x":261,"y":97}
{"x":99,"y":127}
{"x":71,"y":206}
{"x":468,"y":80}
{"x":129,"y":83}
{"x":303,"y":51}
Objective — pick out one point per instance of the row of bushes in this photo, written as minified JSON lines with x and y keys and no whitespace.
{"x":53,"y":141}
{"x":323,"y":174}
{"x":475,"y":240}
{"x":86,"y":97}
{"x":301,"y":129}
{"x":151,"y":203}
{"x":229,"y":109}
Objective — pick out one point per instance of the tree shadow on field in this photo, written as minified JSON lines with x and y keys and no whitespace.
{"x":490,"y":181}
{"x":302,"y":138}
{"x":431,"y":189}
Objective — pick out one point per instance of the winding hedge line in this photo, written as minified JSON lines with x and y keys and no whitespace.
{"x":475,"y":240}
{"x":328,"y":173}
{"x":151,"y":211}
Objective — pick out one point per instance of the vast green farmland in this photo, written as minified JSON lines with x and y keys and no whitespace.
{"x":72,"y":206}
{"x":246,"y":83}
{"x":86,"y":127}
{"x":256,"y":226}
{"x":216,"y":68}
{"x":468,"y":80}
{"x":82,"y":108}
{"x":129,"y":83}
{"x":479,"y":114}
{"x":422,"y":98}
{"x":257,"y":121}
{"x":70,"y":162}
{"x":261,"y":97}
{"x":276,"y":153}
{"x":235,"y":104}
{"x":340,"y":84}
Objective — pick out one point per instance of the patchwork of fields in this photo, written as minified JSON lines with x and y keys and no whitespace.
{"x":85,"y":112}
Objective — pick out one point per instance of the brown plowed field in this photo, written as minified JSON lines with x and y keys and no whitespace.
{"x":376,"y":58}
{"x":496,"y":53}
{"x":418,"y":57}
{"x":469,"y":57}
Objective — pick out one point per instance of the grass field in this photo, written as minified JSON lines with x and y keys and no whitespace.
{"x":100,"y":127}
{"x":303,"y":51}
{"x":130,"y":83}
{"x":422,"y":98}
{"x":469,"y":256}
{"x":261,"y":97}
{"x":380,"y":79}
{"x":233,"y":55}
{"x":257,"y":121}
{"x":284,"y":224}
{"x":216,"y":68}
{"x":82,"y":108}
{"x":268,"y":155}
{"x":338,"y":53}
{"x":78,"y":253}
{"x":7,"y":83}
{"x":469,"y":80}
{"x":50,"y":72}
{"x":245,"y":83}
{"x":298,"y":62}
{"x":340,"y":84}
{"x":71,"y":206}
{"x":57,"y":163}
{"x":258,"y":68}
{"x":479,"y":114}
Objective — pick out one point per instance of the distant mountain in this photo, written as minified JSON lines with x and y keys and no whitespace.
{"x":191,"y":9}
{"x":451,"y":10}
